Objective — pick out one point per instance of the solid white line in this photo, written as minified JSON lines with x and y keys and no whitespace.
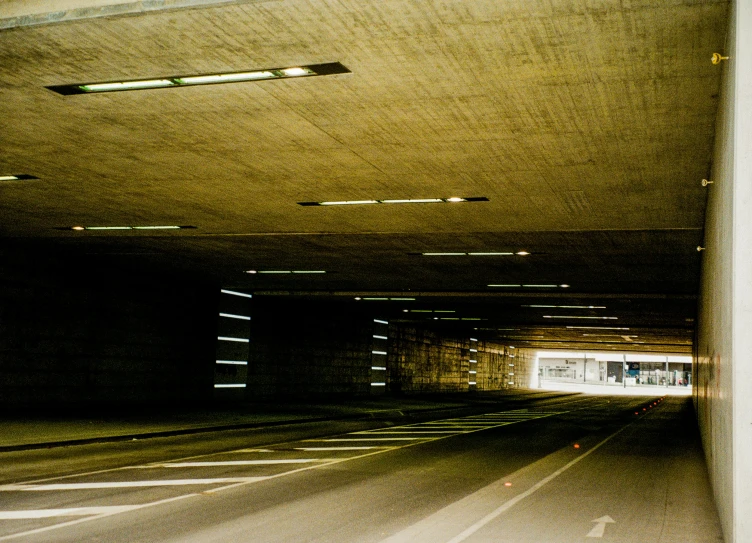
{"x":408,"y":534}
{"x":127,"y":484}
{"x":371,"y":439}
{"x":233,"y":463}
{"x":335,"y":448}
{"x":71,"y":512}
{"x":377,"y":432}
{"x":246,"y":480}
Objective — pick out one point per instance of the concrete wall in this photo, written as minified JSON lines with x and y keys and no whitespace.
{"x":320,"y":350}
{"x":308,"y":350}
{"x":72,"y":337}
{"x":426,"y":361}
{"x":723,"y":391}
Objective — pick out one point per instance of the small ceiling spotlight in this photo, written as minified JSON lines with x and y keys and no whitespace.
{"x":717,"y":58}
{"x":700,"y":248}
{"x":705,"y":182}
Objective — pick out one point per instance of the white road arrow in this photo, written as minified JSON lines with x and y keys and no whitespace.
{"x":600,"y":527}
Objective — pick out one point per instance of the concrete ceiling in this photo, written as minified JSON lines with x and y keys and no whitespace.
{"x":588,"y":125}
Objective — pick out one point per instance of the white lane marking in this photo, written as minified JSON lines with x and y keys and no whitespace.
{"x":450,"y":427}
{"x":90,"y":518}
{"x":371,"y":439}
{"x":71,"y":512}
{"x":406,"y":432}
{"x":439,"y":520}
{"x":250,"y":480}
{"x":234,"y":463}
{"x":311,"y":449}
{"x":600,"y":528}
{"x":127,"y":484}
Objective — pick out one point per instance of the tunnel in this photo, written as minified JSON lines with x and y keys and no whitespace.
{"x":375,"y":271}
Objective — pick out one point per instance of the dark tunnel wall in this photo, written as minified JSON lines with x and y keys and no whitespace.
{"x":308,"y":349}
{"x":74,"y":334}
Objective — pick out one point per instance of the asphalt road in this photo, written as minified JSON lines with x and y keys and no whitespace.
{"x":564,"y":470}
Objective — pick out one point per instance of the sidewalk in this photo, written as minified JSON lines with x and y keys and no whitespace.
{"x":34,"y":432}
{"x":616,"y":389}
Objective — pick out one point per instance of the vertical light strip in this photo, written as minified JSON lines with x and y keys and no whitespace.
{"x":379,"y":355}
{"x":233,"y":343}
{"x":472,"y":363}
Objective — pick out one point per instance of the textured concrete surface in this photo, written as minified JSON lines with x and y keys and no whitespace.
{"x":588,"y":126}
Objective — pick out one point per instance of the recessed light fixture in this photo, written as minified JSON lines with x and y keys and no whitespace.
{"x":491,"y":253}
{"x":528,"y":286}
{"x":17,"y":177}
{"x":282,"y":272}
{"x":159,"y":227}
{"x":577,"y":317}
{"x":384,"y":299}
{"x":453,"y":199}
{"x":330,"y":68}
{"x":594,"y":328}
{"x":568,"y":306}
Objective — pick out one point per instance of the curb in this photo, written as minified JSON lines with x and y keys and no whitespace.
{"x":369,"y":415}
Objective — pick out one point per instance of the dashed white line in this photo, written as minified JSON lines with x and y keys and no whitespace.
{"x":70,"y":512}
{"x":235,"y":463}
{"x":126,"y":484}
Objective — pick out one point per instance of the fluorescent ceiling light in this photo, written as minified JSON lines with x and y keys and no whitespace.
{"x":568,"y":306}
{"x":402,"y":201}
{"x":380,"y":321}
{"x":127,"y":85}
{"x":577,"y":317}
{"x":330,"y":68}
{"x":414,"y":201}
{"x":444,"y":254}
{"x":157,"y":227}
{"x":522,"y":253}
{"x":595,"y":328}
{"x":490,"y":254}
{"x":224,"y":78}
{"x":295,"y":72}
{"x":171,"y":227}
{"x":348,"y":203}
{"x":108,"y":228}
{"x":19,"y":177}
{"x":540,"y":286}
{"x":383,"y":299}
